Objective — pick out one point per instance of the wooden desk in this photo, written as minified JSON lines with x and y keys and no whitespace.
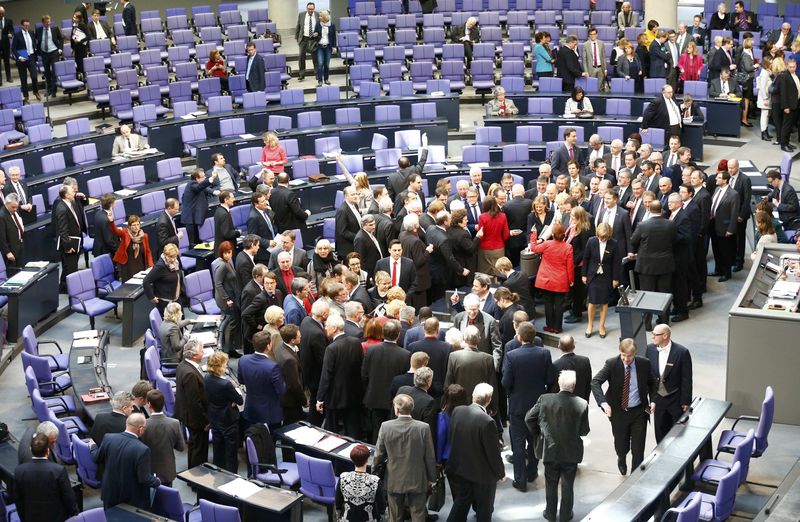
{"x":87,"y":369}
{"x":268,"y":504}
{"x":646,"y":491}
{"x":30,"y":303}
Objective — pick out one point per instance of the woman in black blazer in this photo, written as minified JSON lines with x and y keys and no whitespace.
{"x":507,"y":301}
{"x":578,"y":234}
{"x":164,"y":283}
{"x":540,"y":216}
{"x":465,"y":247}
{"x":226,"y":294}
{"x":601,"y":273}
{"x":223,"y":413}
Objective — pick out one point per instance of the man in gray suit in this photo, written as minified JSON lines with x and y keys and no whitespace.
{"x":594,"y":57}
{"x":405,"y":449}
{"x":304,"y":34}
{"x":557,"y":422}
{"x":469,"y":366}
{"x":162,"y":435}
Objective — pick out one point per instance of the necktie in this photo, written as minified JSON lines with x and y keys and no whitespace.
{"x":671,"y":161}
{"x":626,"y":388}
{"x":571,"y":154}
{"x":269,"y":224}
{"x":635,"y":209}
{"x":310,"y":28}
{"x":129,"y":142}
{"x":474,"y":213}
{"x":717,"y":197}
{"x":615,"y":163}
{"x":249,"y":64}
{"x":20,"y":193}
{"x":724,"y":86}
{"x":19,"y":225}
{"x":46,"y":43}
{"x":607,"y":216}
{"x":394,"y":273}
{"x":596,"y":61}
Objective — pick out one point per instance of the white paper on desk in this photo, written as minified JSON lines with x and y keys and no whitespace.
{"x":743,"y":164}
{"x":125,"y":192}
{"x":86,"y":343}
{"x":138,"y":281}
{"x":305,"y":435}
{"x":189,"y":116}
{"x":85,"y":334}
{"x":329,"y":443}
{"x":240,"y":488}
{"x":20,"y":278}
{"x":296,"y":182}
{"x":482,"y":165}
{"x":37,"y":264}
{"x":345,"y":452}
{"x":205,"y":338}
{"x":785,"y":290}
{"x":247,"y":136}
{"x":207,"y":319}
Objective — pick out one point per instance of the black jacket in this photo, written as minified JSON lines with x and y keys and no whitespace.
{"x":408,"y":274}
{"x":652,"y":241}
{"x":568,"y":67}
{"x":438,"y":355}
{"x":370,"y":254}
{"x":166,"y":232}
{"x":256,"y":224}
{"x":224,"y":230}
{"x":10,"y":241}
{"x":474,"y":448}
{"x":289,"y":363}
{"x":613,"y":372}
{"x":347,"y":226}
{"x":381,"y":363}
{"x":128,"y":476}
{"x":221,"y":395}
{"x":105,"y":423}
{"x":244,"y":268}
{"x":289,"y":214}
{"x":677,"y":377}
{"x":129,"y":18}
{"x":191,"y":399}
{"x":340,"y":383}
{"x":519,"y":283}
{"x":55,"y":38}
{"x":161,"y":282}
{"x":582,"y":367}
{"x":42,"y":491}
{"x":313,"y":343}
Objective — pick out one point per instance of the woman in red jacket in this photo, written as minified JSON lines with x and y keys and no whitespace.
{"x":493,"y":234}
{"x":556,"y":275}
{"x":690,"y":63}
{"x":133,"y":254}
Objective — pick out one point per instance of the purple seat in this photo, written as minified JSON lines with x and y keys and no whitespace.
{"x":579,"y":131}
{"x":309,"y":120}
{"x":353,"y":163}
{"x":209,"y":88}
{"x":610,"y":133}
{"x":488,"y":136}
{"x":387,"y":158}
{"x":58,"y":362}
{"x":482,"y":74}
{"x":164,"y":385}
{"x":348,"y":116}
{"x":103,"y":273}
{"x":453,"y":70}
{"x":421,"y":72}
{"x":717,"y":507}
{"x":200,"y":292}
{"x":60,"y":404}
{"x":328,"y":93}
{"x":408,"y":139}
{"x":653,"y":86}
{"x":121,"y":103}
{"x":379,"y":142}
{"x":654,"y":137}
{"x":423,"y":111}
{"x":167,"y":502}
{"x":516,"y":153}
{"x":697,"y":90}
{"x":144,"y":114}
{"x":48,"y":383}
{"x":282,"y":474}
{"x":688,"y":513}
{"x":401,"y":88}
{"x":180,"y":91}
{"x":182,"y":108}
{"x":169,"y":168}
{"x":84,"y":154}
{"x":292,"y":97}
{"x":152,"y":201}
{"x":78,"y":127}
{"x":529,"y":134}
{"x":237,"y":86}
{"x":302,"y":169}
{"x":542,"y":106}
{"x":589,"y":85}
{"x":317,"y":480}
{"x":440,"y":85}
{"x":387,"y":113}
{"x":86,"y":468}
{"x":33,"y":114}
{"x":73,"y":423}
{"x":711,"y":471}
{"x":276,"y":122}
{"x":475,"y":154}
{"x":93,"y":65}
{"x":53,"y":162}
{"x":158,"y":75}
{"x":246,"y":157}
{"x":40,"y":133}
{"x":191,"y":135}
{"x":369,"y":90}
{"x":254,"y":100}
{"x":83,"y":296}
{"x":211,"y":512}
{"x":550,"y":84}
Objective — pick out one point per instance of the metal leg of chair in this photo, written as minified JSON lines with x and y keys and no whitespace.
{"x":329,"y":508}
{"x":91,"y":322}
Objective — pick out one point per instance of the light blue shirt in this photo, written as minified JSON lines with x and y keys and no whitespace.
{"x":633,"y":392}
{"x":249,"y":64}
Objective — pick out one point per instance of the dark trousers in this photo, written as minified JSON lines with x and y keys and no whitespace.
{"x":304,"y":44}
{"x":680,"y":284}
{"x":314,"y":417}
{"x":553,"y":308}
{"x":69,"y":264}
{"x":346,"y":421}
{"x":724,"y":252}
{"x":197,"y":447}
{"x":230,"y":334}
{"x":323,"y":62}
{"x":194,"y":233}
{"x":565,"y":472}
{"x":629,"y":429}
{"x":698,"y":283}
{"x":784,"y":123}
{"x":5,"y":56}
{"x":741,"y":239}
{"x":49,"y":60}
{"x":656,"y":283}
{"x":468,"y":53}
{"x":469,"y":493}
{"x":667,"y":412}
{"x":26,"y":69}
{"x":525,"y":462}
{"x":378,"y":417}
{"x":578,"y":294}
{"x":225,"y":442}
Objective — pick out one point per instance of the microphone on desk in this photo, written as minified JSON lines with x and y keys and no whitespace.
{"x":649,"y":458}
{"x":211,"y":466}
{"x":685,"y":417}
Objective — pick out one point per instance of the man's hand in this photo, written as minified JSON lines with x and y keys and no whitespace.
{"x":479,"y":234}
{"x":10,"y":257}
{"x":70,"y":251}
{"x":154,"y":300}
{"x":308,"y":212}
{"x":515,"y":232}
{"x":320,"y":406}
{"x":429,"y":249}
{"x":424,"y":139}
{"x":585,"y":75}
{"x":607,"y":409}
{"x":684,"y":407}
{"x":739,"y":220}
{"x":216,"y":192}
{"x":787,"y":110}
{"x":728,"y":234}
{"x":455,"y":298}
{"x":180,"y":234}
{"x":207,"y":428}
{"x":652,"y":408}
{"x":27,"y":207}
{"x":584,"y":279}
{"x":614,"y":284}
{"x":229,"y":303}
{"x":465,"y":272}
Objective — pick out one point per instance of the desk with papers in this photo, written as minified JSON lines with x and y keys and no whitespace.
{"x":135,"y":308}
{"x":321,"y":443}
{"x":32,"y":295}
{"x":87,"y":369}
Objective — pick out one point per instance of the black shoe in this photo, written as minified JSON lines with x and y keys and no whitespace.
{"x":737,"y":268}
{"x":327,"y":82}
{"x":622,"y":466}
{"x":520,"y":487}
{"x":567,"y":518}
{"x":572,"y":319}
{"x":791,"y":147}
{"x":714,"y":274}
{"x":747,"y":124}
{"x":679,"y":317}
{"x":765,"y":136}
{"x":549,"y":517}
{"x":234,"y":354}
{"x":784,"y":148}
{"x":301,"y":77}
{"x":533,"y":477}
{"x":724,"y":278}
{"x":697,"y":303}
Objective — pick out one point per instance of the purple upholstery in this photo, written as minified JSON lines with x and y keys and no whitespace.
{"x":617,"y":107}
{"x":254,"y":100}
{"x":200,"y":292}
{"x":654,"y":137}
{"x":180,"y":91}
{"x":49,"y":383}
{"x":60,"y":404}
{"x":387,"y":158}
{"x":423,"y":111}
{"x":326,"y":145}
{"x":317,"y":479}
{"x":697,"y":90}
{"x":542,"y":106}
{"x":33,"y":114}
{"x":529,"y":134}
{"x":689,"y":513}
{"x":191,"y":135}
{"x":475,"y":154}
{"x":369,"y":90}
{"x":133,"y":177}
{"x":718,"y":507}
{"x":453,"y":70}
{"x":92,"y":515}
{"x":292,"y":97}
{"x":348,"y":116}
{"x":167,"y":502}
{"x":85,"y":153}
{"x":610,"y":133}
{"x":329,"y":229}
{"x":103,"y":272}
{"x":212,"y":512}
{"x":432,"y":86}
{"x":653,"y":85}
{"x":379,"y":141}
{"x":328,"y":93}
{"x":387,"y":113}
{"x":165,"y":386}
{"x":169,"y":168}
{"x":78,"y":127}
{"x":308,"y":120}
{"x":302,"y":169}
{"x":515,"y":153}
{"x":53,"y":162}
{"x":549,"y":85}
{"x":146,"y":113}
{"x":231,"y":127}
{"x":121,"y":103}
{"x":40,"y":133}
{"x":86,"y":468}
{"x":408,"y":139}
{"x":282,"y":474}
{"x":711,"y":471}
{"x":488,"y":136}
{"x":401,"y":88}
{"x":97,"y":187}
{"x":82,"y":295}
{"x":152,"y":202}
{"x":209,"y":88}
{"x":73,"y":423}
{"x":63,"y":446}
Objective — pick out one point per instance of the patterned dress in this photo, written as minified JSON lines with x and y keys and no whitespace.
{"x":359,"y":497}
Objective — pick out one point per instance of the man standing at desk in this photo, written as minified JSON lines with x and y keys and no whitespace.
{"x":69,"y":232}
{"x":630,"y":383}
{"x":12,"y":232}
{"x":194,"y":206}
{"x":254,"y":73}
{"x":166,"y":231}
{"x":18,"y":187}
{"x":191,"y":402}
{"x":673,"y":365}
{"x":663,"y":113}
{"x":568,"y":66}
{"x":127,"y":141}
{"x":743,"y":186}
{"x":304,"y":34}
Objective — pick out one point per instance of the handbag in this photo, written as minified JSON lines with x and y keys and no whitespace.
{"x":436,"y":498}
{"x":742,"y":77}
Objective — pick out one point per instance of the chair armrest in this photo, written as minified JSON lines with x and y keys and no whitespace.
{"x":50,"y":341}
{"x":54,"y":384}
{"x":83,"y":305}
{"x":744,"y":418}
{"x":186,"y":515}
{"x":63,"y":403}
{"x":49,"y":356}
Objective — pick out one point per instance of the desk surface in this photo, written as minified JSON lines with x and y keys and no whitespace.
{"x":636,"y":496}
{"x":269,"y":498}
{"x":333,"y":454}
{"x":126,"y":292}
{"x":128,"y":513}
{"x":784,"y":504}
{"x":90,"y":374}
{"x":40,"y":273}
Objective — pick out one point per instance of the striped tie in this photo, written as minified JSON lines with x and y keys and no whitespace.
{"x":626,"y":388}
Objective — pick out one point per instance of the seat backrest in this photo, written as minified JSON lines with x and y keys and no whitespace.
{"x":764,"y":423}
{"x":529,"y":134}
{"x":387,"y":158}
{"x":84,"y":153}
{"x":310,"y":119}
{"x":198,"y":286}
{"x":102,"y":269}
{"x":167,"y":503}
{"x":408,"y":139}
{"x":488,"y":135}
{"x":515,"y":153}
{"x":317,"y":479}
{"x":212,"y":512}
{"x":725,"y":497}
{"x":743,"y":453}
{"x":53,"y":162}
{"x":165,"y":387}
{"x":78,"y":126}
{"x":80,"y":286}
{"x":86,"y":468}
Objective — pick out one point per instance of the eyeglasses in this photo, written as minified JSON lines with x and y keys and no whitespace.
{"x":658,"y":334}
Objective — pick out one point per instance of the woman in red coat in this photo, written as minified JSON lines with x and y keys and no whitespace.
{"x":690,"y":63}
{"x":556,"y":275}
{"x":133,"y":254}
{"x":493,"y":234}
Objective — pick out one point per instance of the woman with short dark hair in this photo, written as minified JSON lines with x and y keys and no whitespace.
{"x":359,"y":495}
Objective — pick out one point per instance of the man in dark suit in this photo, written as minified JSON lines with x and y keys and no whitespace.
{"x":724,"y":86}
{"x":569,"y":152}
{"x":354,"y":313}
{"x":784,"y":198}
{"x":224,"y":229}
{"x":618,"y":218}
{"x":398,"y":180}
{"x":367,"y":245}
{"x":163,"y":435}
{"x":404,"y":449}
{"x":786,"y":108}
{"x":381,"y":363}
{"x":254,"y":72}
{"x":289,"y":214}
{"x":652,"y":241}
{"x":698,"y":223}
{"x":400,"y":268}
{"x":166,"y":231}
{"x":557,"y":422}
{"x":245,"y":260}
{"x":297,"y":256}
{"x":468,"y":34}
{"x":682,"y":253}
{"x":69,"y":229}
{"x":260,"y":222}
{"x":569,"y":68}
{"x":191,"y":402}
{"x":257,"y":296}
{"x":470,"y":366}
{"x":781,"y":39}
{"x":298,"y":291}
{"x":517,"y":210}
{"x":580,"y":364}
{"x":265,"y":384}
{"x":660,"y":58}
{"x":628,"y":401}
{"x":112,"y":421}
{"x":474,"y":464}
{"x":42,"y":490}
{"x":23,"y":45}
{"x":126,"y":459}
{"x":518,"y":283}
{"x":340,"y":393}
{"x":672,"y":363}
{"x":129,"y":18}
{"x":415,"y":249}
{"x":99,"y":29}
{"x":348,"y":222}
{"x":313,"y":343}
{"x":527,"y":374}
{"x":294,"y":399}
{"x":12,"y":233}
{"x":741,"y":183}
{"x":6,"y":34}
{"x":722,"y":226}
{"x":663,"y":113}
{"x":438,"y":353}
{"x":194,"y":205}
{"x":49,"y":43}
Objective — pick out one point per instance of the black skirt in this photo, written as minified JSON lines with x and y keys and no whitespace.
{"x":599,"y":290}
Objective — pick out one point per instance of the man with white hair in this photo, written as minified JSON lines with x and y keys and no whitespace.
{"x":469,"y":34}
{"x":113,"y":421}
{"x":15,"y":185}
{"x":474,"y":464}
{"x":557,"y":423}
{"x":46,"y":428}
{"x":461,"y":193}
{"x":127,"y":141}
{"x":613,"y":158}
{"x":191,"y":402}
{"x":476,"y":181}
{"x":416,"y":250}
{"x":517,"y":210}
{"x":488,"y":330}
{"x":12,"y":232}
{"x":627,"y":17}
{"x":313,"y":343}
{"x":673,"y":365}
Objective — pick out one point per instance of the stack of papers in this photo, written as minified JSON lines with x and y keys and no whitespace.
{"x":330,"y":443}
{"x":205,"y":338}
{"x":37,"y":264}
{"x":20,"y":278}
{"x":85,"y":334}
{"x":86,"y":343}
{"x":305,"y":435}
{"x":240,"y":488}
{"x":785,"y":290}
{"x":207,"y":319}
{"x":296,"y":182}
{"x":247,"y":136}
{"x":125,"y":192}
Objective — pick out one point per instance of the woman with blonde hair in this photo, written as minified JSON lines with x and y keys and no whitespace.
{"x":274,"y":318}
{"x":601,"y":273}
{"x":162,"y":284}
{"x":273,"y":157}
{"x":764,"y":82}
{"x":690,"y":63}
{"x":223,"y":413}
{"x":360,"y":182}
{"x":172,"y":335}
